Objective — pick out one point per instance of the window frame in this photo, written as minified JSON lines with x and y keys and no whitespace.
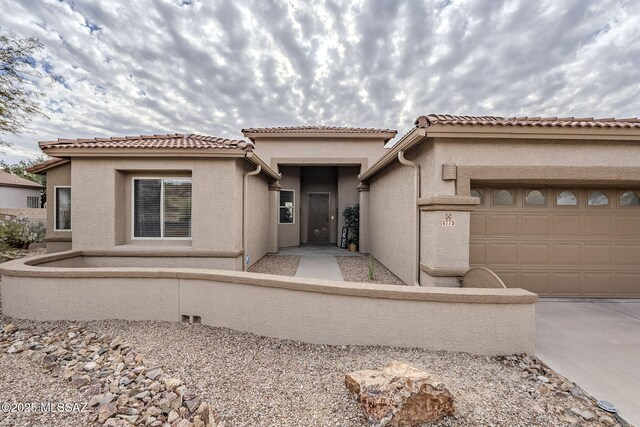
{"x":293,"y":211}
{"x":590,"y":191}
{"x":542,"y":190}
{"x":133,"y":207}
{"x":55,"y":208}
{"x":513,"y":190}
{"x":576,"y":193}
{"x":37,"y":202}
{"x":620,"y":192}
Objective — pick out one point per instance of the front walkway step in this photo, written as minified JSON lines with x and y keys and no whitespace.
{"x":323,"y":267}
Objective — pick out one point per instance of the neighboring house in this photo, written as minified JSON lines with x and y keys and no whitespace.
{"x":551,"y":205}
{"x":18,"y":193}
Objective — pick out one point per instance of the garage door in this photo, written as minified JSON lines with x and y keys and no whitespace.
{"x":559,"y":241}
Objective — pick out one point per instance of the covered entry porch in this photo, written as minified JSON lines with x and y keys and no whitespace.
{"x":311,"y":201}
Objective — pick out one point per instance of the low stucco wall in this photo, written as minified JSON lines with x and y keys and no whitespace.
{"x":479,"y":321}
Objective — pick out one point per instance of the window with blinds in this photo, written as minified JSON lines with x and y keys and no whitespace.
{"x":62,"y":208}
{"x":162,"y":208}
{"x":287,"y":199}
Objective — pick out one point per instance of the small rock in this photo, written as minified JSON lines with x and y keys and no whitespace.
{"x":607,"y":420}
{"x":171,"y":383}
{"x":543,"y":379}
{"x":154,"y":373}
{"x":173,"y":415}
{"x":16,"y":347}
{"x":142,"y":395}
{"x":193,"y":404}
{"x":106,"y":411}
{"x":90,"y":366}
{"x":184,"y":423}
{"x":9,"y":328}
{"x":587,"y":415}
{"x":79,"y":380}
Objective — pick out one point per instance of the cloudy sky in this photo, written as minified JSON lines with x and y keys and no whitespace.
{"x":213,"y":67}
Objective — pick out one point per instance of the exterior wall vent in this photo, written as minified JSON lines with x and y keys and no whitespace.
{"x":449,"y":172}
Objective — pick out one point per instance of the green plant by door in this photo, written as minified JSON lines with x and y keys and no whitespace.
{"x":351,"y":216}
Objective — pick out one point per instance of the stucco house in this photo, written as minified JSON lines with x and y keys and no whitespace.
{"x":18,"y":193}
{"x":550,"y":205}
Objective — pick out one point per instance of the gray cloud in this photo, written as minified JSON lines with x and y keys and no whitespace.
{"x":215,"y":67}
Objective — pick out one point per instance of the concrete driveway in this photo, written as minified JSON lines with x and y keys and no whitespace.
{"x":596,"y":344}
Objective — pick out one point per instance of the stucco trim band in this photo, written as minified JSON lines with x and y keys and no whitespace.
{"x":57,"y":239}
{"x":448,"y":203}
{"x":607,"y":175}
{"x":36,"y":267}
{"x":442,"y":272}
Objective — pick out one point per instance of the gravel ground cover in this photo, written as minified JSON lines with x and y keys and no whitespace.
{"x":283,"y":265}
{"x":258,"y":381}
{"x":356,"y":269}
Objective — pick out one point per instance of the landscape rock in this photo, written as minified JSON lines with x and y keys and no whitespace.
{"x":9,"y":328}
{"x":399,"y":395}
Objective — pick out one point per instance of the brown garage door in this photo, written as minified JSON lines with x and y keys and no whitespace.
{"x":559,"y":241}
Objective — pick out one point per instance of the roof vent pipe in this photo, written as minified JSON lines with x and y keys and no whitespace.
{"x":245,"y":213}
{"x":416,"y":213}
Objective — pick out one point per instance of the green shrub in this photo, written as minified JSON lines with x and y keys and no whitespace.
{"x":19,"y":232}
{"x":351,"y":216}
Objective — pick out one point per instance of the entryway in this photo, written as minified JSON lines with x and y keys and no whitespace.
{"x":319,"y":218}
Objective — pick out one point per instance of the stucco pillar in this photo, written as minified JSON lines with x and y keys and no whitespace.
{"x":363,"y":191}
{"x":274,"y":192}
{"x":444,"y":238}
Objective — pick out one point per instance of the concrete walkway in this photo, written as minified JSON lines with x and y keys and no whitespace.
{"x":595,"y":344}
{"x":319,"y":267}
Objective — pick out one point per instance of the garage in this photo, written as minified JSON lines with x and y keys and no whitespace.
{"x":559,"y":241}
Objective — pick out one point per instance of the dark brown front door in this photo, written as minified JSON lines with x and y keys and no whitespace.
{"x":319,"y":224}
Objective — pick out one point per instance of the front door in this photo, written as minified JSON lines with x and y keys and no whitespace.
{"x":319,"y":224}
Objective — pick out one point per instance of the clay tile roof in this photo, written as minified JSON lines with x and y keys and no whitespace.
{"x":173,"y":141}
{"x":317,"y":129}
{"x":447,"y":119}
{"x":9,"y":180}
{"x":47,"y":164}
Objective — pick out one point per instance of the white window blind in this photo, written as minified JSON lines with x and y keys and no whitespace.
{"x":162,"y":208}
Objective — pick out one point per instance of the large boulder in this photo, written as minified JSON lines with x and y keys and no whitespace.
{"x":399,"y":396}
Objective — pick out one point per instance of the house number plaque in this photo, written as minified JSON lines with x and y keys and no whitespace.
{"x":448,"y":220}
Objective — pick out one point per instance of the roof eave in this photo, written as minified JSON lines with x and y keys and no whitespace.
{"x":145,"y":152}
{"x":443,"y":130}
{"x":266,"y":169}
{"x":411,"y":138}
{"x":386,"y":136}
{"x":39,"y":168}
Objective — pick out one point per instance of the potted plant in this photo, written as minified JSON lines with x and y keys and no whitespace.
{"x":351,"y":216}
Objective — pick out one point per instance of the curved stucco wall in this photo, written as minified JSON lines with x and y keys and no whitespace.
{"x":480,"y":321}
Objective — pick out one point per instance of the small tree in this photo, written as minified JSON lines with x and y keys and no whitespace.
{"x":351,"y":216}
{"x":19,"y":92}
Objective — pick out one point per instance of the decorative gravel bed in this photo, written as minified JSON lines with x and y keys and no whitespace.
{"x":256,"y":381}
{"x":283,"y":265}
{"x":356,"y":269}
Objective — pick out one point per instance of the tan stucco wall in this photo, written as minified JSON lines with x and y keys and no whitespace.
{"x":391,"y":225}
{"x":514,"y":152}
{"x":101,"y":203}
{"x":355,"y":151}
{"x":289,"y":234}
{"x":258,"y":227}
{"x":481,"y":321}
{"x":321,"y":179}
{"x":347,"y":193}
{"x":58,"y":176}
